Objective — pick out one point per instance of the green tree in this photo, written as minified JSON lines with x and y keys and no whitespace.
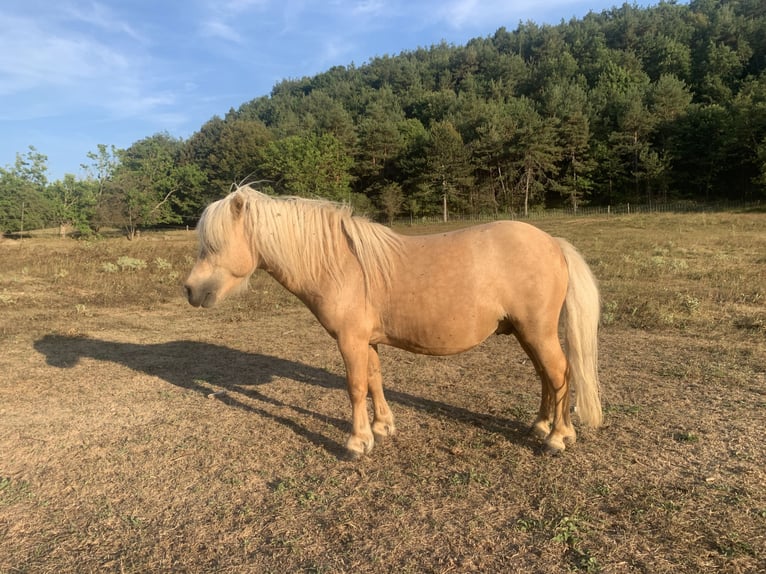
{"x":491,"y":154}
{"x":23,"y":201}
{"x":567,"y":104}
{"x":535,"y":153}
{"x":380,"y":142}
{"x":665,"y":55}
{"x":153,"y":185}
{"x":669,"y":99}
{"x":630,"y":142}
{"x":320,"y":113}
{"x":228,"y":152}
{"x":101,"y":167}
{"x":450,"y":173}
{"x":72,"y":203}
{"x":392,"y":200}
{"x":702,"y":146}
{"x":623,"y":122}
{"x":410,"y":165}
{"x":308,"y":166}
{"x":761,"y":152}
{"x":577,"y":165}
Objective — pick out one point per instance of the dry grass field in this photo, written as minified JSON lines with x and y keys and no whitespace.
{"x":114,"y":458}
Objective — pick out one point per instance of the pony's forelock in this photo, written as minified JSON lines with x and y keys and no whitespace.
{"x":215,"y":225}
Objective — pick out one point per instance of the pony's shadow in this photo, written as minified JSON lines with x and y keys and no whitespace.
{"x":194,"y":365}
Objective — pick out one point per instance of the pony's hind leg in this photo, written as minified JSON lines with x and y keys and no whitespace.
{"x":383,"y":422}
{"x":553,"y":423}
{"x":541,"y":428}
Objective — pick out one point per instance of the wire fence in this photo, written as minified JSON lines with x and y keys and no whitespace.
{"x":591,"y":211}
{"x":534,"y":215}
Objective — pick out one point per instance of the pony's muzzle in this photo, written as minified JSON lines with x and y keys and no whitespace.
{"x":199,"y":297}
{"x":189,"y":295}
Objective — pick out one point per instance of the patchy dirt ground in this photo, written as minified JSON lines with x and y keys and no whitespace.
{"x":114,"y":458}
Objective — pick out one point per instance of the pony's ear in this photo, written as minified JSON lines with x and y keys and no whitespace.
{"x":237,"y":205}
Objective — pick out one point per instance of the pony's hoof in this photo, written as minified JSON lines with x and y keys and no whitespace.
{"x":352,"y":456}
{"x":357,"y":447}
{"x":553,"y":452}
{"x":554,"y":446}
{"x":381,"y":430}
{"x":540,"y":430}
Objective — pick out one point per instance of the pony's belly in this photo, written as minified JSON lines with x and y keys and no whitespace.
{"x":435,"y":349}
{"x":437,"y":340}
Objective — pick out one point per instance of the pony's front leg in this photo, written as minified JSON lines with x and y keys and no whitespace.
{"x":383,"y":423}
{"x":356,"y":356}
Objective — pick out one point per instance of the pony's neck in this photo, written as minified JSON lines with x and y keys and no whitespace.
{"x":288,"y":280}
{"x":301,"y":245}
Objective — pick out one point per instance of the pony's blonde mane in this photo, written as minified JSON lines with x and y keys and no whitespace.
{"x":304,"y":238}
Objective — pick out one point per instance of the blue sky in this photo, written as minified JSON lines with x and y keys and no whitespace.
{"x":74,"y":74}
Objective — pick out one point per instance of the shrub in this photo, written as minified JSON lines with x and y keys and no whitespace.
{"x":130,"y":263}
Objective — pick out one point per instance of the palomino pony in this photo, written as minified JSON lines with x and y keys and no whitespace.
{"x":434,"y":294}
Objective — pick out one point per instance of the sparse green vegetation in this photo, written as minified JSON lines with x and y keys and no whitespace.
{"x":130,"y":263}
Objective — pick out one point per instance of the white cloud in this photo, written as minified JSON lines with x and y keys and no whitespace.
{"x":48,"y":67}
{"x":332,"y":52}
{"x":456,"y":13}
{"x":369,"y":7}
{"x":222,"y":20}
{"x":242,"y":5}
{"x":218,"y":29}
{"x":32,"y":56}
{"x":102,"y":17}
{"x":486,"y":14}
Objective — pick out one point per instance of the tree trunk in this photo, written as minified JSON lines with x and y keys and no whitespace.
{"x":502,"y":188}
{"x":444,"y":200}
{"x":574,"y":183}
{"x":526,"y":192}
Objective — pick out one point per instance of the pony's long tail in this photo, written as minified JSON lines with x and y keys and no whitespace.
{"x":580,"y":318}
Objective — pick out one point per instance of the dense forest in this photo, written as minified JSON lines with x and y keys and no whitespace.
{"x":640,"y":105}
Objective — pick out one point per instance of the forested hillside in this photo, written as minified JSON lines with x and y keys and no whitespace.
{"x":628,"y":105}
